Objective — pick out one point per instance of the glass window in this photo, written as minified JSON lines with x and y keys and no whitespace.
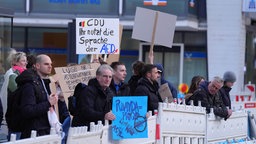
{"x":17,"y":5}
{"x":5,"y":44}
{"x":102,"y":7}
{"x":195,"y":38}
{"x":18,"y":37}
{"x":50,"y":41}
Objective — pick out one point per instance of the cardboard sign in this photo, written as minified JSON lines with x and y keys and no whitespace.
{"x":131,"y":121}
{"x":97,"y":36}
{"x":154,"y":26}
{"x":70,"y":76}
{"x":165,"y":92}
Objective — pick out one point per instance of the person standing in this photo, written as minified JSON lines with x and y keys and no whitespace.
{"x":148,"y":86}
{"x":208,"y":94}
{"x":95,"y":101}
{"x":162,"y":80}
{"x":137,"y":67}
{"x":229,"y":78}
{"x":18,"y":61}
{"x":195,"y":82}
{"x":36,"y":100}
{"x":118,"y":86}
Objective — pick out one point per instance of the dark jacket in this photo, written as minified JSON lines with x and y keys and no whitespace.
{"x":163,"y":81}
{"x":209,"y":101}
{"x":124,"y":89}
{"x":133,"y":83}
{"x":224,"y":92}
{"x":34,"y":104}
{"x":146,"y":88}
{"x":93,"y":104}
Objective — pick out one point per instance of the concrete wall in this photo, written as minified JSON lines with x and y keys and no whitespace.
{"x":226,"y":35}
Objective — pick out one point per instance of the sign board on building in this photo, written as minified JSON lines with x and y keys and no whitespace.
{"x":249,"y":5}
{"x":97,"y":36}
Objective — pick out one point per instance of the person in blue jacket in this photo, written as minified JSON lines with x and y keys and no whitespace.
{"x":163,"y":80}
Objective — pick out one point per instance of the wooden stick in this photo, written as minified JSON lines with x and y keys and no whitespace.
{"x":151,"y":51}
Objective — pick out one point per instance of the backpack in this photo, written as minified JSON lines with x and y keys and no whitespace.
{"x":73,"y":100}
{"x":13,"y":115}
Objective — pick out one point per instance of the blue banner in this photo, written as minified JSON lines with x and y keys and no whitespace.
{"x":131,"y":121}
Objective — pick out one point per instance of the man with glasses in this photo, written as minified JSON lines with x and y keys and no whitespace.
{"x":208,"y":94}
{"x":95,"y":101}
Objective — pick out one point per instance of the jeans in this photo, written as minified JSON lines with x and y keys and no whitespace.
{"x":65,"y":128}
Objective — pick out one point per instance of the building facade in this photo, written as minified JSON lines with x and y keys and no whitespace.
{"x":45,"y":27}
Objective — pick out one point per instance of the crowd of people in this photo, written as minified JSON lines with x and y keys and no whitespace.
{"x":30,"y":76}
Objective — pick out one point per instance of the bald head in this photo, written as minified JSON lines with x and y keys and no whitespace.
{"x":43,"y":65}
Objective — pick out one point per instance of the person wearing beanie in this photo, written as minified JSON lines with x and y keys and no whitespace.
{"x":229,"y":78}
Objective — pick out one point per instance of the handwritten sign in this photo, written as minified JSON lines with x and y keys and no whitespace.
{"x":97,"y":36}
{"x":131,"y":121}
{"x":70,"y":76}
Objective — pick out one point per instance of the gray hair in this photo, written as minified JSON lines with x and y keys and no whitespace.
{"x":218,"y":80}
{"x":102,"y":68}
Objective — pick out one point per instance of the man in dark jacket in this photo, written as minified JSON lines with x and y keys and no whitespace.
{"x":160,"y":70}
{"x":118,"y":86}
{"x":148,"y":86}
{"x":137,"y":67}
{"x":229,"y":80}
{"x":95,"y":101}
{"x":208,"y":94}
{"x":35,"y":101}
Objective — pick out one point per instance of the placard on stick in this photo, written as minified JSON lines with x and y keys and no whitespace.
{"x":97,"y":36}
{"x":154,"y":26}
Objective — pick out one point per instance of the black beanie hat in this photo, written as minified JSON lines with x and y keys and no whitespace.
{"x":229,"y":76}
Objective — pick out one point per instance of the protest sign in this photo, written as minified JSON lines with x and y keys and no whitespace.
{"x":97,"y":36}
{"x":70,"y":76}
{"x":131,"y":121}
{"x":154,"y":26}
{"x":165,"y":92}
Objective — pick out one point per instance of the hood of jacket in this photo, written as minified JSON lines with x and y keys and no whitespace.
{"x":28,"y":75}
{"x":204,"y":86}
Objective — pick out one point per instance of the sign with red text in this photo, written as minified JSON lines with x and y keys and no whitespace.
{"x":97,"y":36}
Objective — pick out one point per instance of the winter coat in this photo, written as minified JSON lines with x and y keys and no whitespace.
{"x":209,"y":101}
{"x":146,"y":88}
{"x":133,"y":83}
{"x":93,"y":104}
{"x":34,"y":104}
{"x":224,"y":92}
{"x":124,"y":89}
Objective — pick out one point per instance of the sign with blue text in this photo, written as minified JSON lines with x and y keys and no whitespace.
{"x":97,"y":36}
{"x":249,"y":5}
{"x":131,"y":121}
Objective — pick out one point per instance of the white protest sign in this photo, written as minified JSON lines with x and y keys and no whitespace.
{"x":97,"y":36}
